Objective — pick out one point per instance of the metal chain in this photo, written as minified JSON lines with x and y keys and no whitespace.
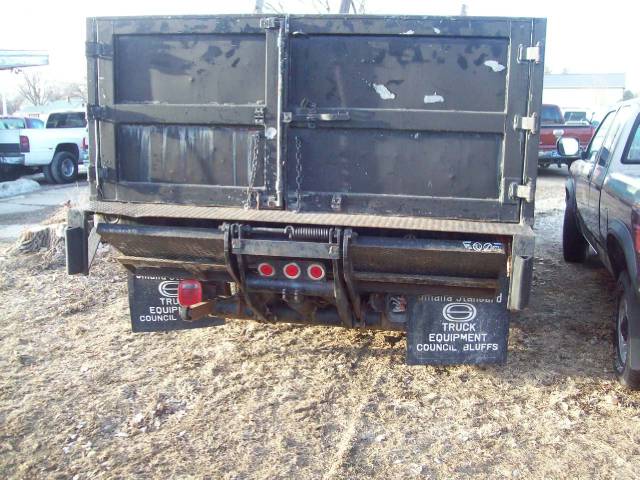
{"x":298,"y":173}
{"x":253,"y":169}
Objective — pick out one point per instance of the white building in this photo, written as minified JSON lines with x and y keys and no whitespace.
{"x":592,"y":91}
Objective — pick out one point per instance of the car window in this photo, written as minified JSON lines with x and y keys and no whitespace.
{"x":575,"y":116}
{"x":598,"y":137}
{"x":611,"y":137}
{"x":35,"y":123}
{"x":551,"y":115}
{"x":632,"y":150}
{"x":67,"y":120}
{"x":13,"y":123}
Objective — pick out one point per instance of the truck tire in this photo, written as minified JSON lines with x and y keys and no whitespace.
{"x":627,"y":311}
{"x":48,"y":176}
{"x":574,"y":245}
{"x":64,"y":167}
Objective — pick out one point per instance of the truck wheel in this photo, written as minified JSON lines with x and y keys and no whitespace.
{"x":48,"y":176}
{"x":64,"y":167}
{"x":574,"y":245}
{"x":627,"y":312}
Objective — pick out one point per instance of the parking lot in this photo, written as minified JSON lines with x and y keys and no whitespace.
{"x":83,"y":397}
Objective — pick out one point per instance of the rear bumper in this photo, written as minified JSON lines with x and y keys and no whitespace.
{"x":17,"y":160}
{"x":469,"y":265}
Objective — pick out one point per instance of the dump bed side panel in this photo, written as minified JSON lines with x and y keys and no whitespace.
{"x":404,"y":116}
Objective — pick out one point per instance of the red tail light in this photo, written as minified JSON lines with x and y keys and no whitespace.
{"x":635,"y":225}
{"x":189,"y":292}
{"x":291,"y":271}
{"x":266,"y":270}
{"x":24,"y":144}
{"x":316,"y":271}
{"x":85,"y":145}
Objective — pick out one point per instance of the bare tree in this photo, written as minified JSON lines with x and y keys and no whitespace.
{"x":71,"y":90}
{"x":274,"y":7}
{"x":345,"y":6}
{"x":35,"y":89}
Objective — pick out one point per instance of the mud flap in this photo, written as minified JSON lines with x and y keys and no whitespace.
{"x":153,"y":304}
{"x":452,"y":330}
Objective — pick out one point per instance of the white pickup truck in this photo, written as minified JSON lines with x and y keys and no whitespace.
{"x":57,"y":150}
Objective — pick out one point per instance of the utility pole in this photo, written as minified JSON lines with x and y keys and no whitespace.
{"x":345,"y":6}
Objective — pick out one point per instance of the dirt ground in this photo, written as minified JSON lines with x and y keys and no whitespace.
{"x":82,"y":397}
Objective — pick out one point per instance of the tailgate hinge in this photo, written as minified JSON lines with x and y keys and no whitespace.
{"x":96,"y":112}
{"x":529,"y":124}
{"x":525,"y":192}
{"x":98,"y":50}
{"x":530,"y":53}
{"x":269,"y":22}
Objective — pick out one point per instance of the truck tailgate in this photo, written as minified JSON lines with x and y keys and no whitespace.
{"x":403,"y":116}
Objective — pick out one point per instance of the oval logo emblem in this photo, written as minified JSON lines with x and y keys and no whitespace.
{"x":459,"y":312}
{"x":168,"y":288}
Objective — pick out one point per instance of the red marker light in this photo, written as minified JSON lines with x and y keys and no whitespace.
{"x":316,"y":271}
{"x":266,"y":270}
{"x":189,"y":292}
{"x":291,"y":271}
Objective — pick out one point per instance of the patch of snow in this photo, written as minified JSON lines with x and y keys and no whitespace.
{"x":435,"y":98}
{"x":18,"y":187}
{"x":495,"y":66}
{"x":408,"y":32}
{"x":436,"y":29}
{"x":384,"y":92}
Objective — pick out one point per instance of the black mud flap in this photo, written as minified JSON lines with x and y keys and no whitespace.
{"x":153,"y":304}
{"x":453,"y":330}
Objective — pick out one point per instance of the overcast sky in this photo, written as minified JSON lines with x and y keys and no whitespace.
{"x":582,"y":37}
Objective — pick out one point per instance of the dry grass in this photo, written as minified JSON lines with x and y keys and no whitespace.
{"x":82,"y":397}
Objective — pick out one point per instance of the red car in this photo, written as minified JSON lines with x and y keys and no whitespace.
{"x":553,"y":127}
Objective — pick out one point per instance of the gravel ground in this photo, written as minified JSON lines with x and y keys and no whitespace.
{"x":82,"y":397}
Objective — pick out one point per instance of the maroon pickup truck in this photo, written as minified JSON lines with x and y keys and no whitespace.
{"x":553,"y":127}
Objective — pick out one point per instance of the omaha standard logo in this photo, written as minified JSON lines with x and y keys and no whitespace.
{"x":459,"y":312}
{"x":168,"y":288}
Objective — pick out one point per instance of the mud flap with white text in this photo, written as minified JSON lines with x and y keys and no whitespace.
{"x":153,"y":304}
{"x":452,"y":330}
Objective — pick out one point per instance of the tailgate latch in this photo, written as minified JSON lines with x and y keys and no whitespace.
{"x":269,"y":22}
{"x":528,"y":124}
{"x":530,"y":53}
{"x":525,"y":192}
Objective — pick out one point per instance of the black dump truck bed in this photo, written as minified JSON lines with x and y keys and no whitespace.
{"x":398,"y":153}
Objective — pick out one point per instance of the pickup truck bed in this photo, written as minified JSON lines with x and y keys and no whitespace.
{"x":397,"y":155}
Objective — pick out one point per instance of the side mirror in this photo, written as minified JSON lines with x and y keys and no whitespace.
{"x":568,"y":147}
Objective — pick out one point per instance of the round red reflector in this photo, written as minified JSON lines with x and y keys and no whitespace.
{"x":266,"y":270}
{"x":189,"y":292}
{"x":291,"y":271}
{"x":315,"y":272}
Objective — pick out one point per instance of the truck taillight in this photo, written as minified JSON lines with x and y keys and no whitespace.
{"x":24,"y":144}
{"x":266,"y":270}
{"x":291,"y":271}
{"x":85,"y":145}
{"x":189,"y":292}
{"x":316,"y":271}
